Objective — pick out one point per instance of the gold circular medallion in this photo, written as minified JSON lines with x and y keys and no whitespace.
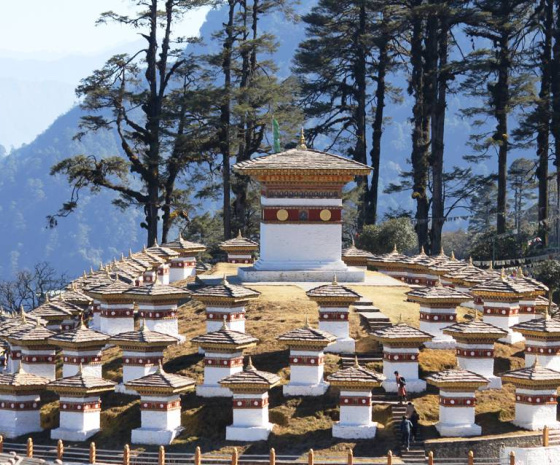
{"x":325,"y":215}
{"x":282,"y":214}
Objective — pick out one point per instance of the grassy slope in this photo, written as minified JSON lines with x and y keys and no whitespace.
{"x":302,"y":423}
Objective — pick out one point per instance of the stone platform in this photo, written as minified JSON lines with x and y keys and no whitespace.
{"x":354,"y":431}
{"x":253,"y":275}
{"x":154,"y":437}
{"x":248,"y":433}
{"x":305,"y":390}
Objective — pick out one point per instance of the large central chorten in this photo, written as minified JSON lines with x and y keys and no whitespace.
{"x":301,"y":218}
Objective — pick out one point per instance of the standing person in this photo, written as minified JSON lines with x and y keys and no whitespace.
{"x":406,"y":428}
{"x":414,"y":420}
{"x":401,"y":387}
{"x":409,"y":410}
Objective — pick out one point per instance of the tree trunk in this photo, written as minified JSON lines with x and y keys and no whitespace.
{"x":360,"y":73}
{"x":225,"y":119}
{"x":438,"y":132}
{"x":419,"y":156}
{"x":543,"y":130}
{"x":377,"y":131}
{"x":501,"y":98}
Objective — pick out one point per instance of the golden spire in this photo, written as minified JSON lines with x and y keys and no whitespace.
{"x":130,"y":252}
{"x":491,"y":267}
{"x":439,"y":283}
{"x":475,"y":311}
{"x":224,"y":280}
{"x":159,"y":370}
{"x":356,"y":363}
{"x":503,"y":273}
{"x":301,"y":145}
{"x":395,"y":248}
{"x":250,"y":366}
{"x":520,"y":272}
{"x":224,"y":325}
{"x":22,"y":314}
{"x":422,"y":251}
{"x":82,"y":322}
{"x":470,"y":261}
{"x":453,"y":255}
{"x":536,"y":363}
{"x":334,"y":281}
{"x":239,"y":236}
{"x":441,"y":252}
{"x":306,"y":322}
{"x":353,"y":242}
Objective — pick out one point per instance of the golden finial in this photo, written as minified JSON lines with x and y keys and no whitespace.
{"x":442,"y":252}
{"x":470,"y":261}
{"x":395,"y":248}
{"x":453,"y":255}
{"x":536,"y":363}
{"x":224,"y":325}
{"x":334,"y":280}
{"x":81,"y":369}
{"x":503,"y":273}
{"x":306,"y":322}
{"x":356,"y":363}
{"x":353,"y":242}
{"x":159,"y":370}
{"x":438,"y":282}
{"x":155,"y":243}
{"x":130,"y":252}
{"x":22,"y":314}
{"x":224,"y":280}
{"x":491,"y":267}
{"x":475,"y":312}
{"x":520,"y":272}
{"x":301,"y":145}
{"x":82,"y":322}
{"x":85,"y":275}
{"x":422,"y":250}
{"x":250,"y":366}
{"x":239,"y":236}
{"x":400,"y":321}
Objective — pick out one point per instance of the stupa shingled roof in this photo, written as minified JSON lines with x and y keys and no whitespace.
{"x":55,"y":309}
{"x":505,"y":285}
{"x":73,"y":295}
{"x":301,"y":159}
{"x":108,"y":288}
{"x":161,"y":381}
{"x":81,"y":383}
{"x":475,"y":328}
{"x":238,"y":242}
{"x":355,"y":375}
{"x":401,"y":331}
{"x":157,"y":291}
{"x":21,"y":379}
{"x":542,"y":302}
{"x":333,"y":289}
{"x":81,"y":336}
{"x":457,"y":377}
{"x":17,"y":323}
{"x":163,"y":252}
{"x":437,"y":293}
{"x":533,"y":376}
{"x":184,"y":245}
{"x":307,"y":335}
{"x":141,"y":337}
{"x":393,"y":257}
{"x":353,"y":251}
{"x":37,"y":333}
{"x":541,"y":326}
{"x":251,"y":377}
{"x":226,"y":290}
{"x":225,"y":337}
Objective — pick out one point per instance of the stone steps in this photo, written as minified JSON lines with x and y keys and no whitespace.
{"x":416,"y":453}
{"x":372,"y":321}
{"x":346,"y":361}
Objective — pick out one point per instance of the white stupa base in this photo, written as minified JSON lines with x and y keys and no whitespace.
{"x":512,"y":338}
{"x":458,"y":430}
{"x":248,"y":433}
{"x":155,"y":437}
{"x":252,"y":275}
{"x":536,"y":424}
{"x":354,"y":431}
{"x":412,"y":385}
{"x":11,"y":432}
{"x":305,"y":390}
{"x":72,"y":435}
{"x":345,"y":345}
{"x":495,"y":382}
{"x":213,"y":391}
{"x":441,"y":343}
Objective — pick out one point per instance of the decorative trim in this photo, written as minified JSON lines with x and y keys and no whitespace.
{"x":527,"y":309}
{"x":333,"y":316}
{"x":400,"y":358}
{"x":548,"y":350}
{"x":143,"y":361}
{"x":307,"y":360}
{"x":501,"y":311}
{"x":223,"y":362}
{"x":355,"y":401}
{"x":301,"y":214}
{"x":535,"y":400}
{"x":475,"y":353}
{"x":17,"y":405}
{"x":182,"y":264}
{"x":87,"y":359}
{"x":238,"y":260}
{"x":38,"y":359}
{"x":161,"y":406}
{"x":80,"y":406}
{"x":218,"y":316}
{"x":437,"y":317}
{"x":250,"y":403}
{"x":117,"y":312}
{"x":457,"y":401}
{"x":158,"y":314}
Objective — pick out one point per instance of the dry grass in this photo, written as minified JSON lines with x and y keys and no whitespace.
{"x":301,"y":423}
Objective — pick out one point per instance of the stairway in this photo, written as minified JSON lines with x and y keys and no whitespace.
{"x":346,"y":361}
{"x":416,"y":454}
{"x":371,"y":317}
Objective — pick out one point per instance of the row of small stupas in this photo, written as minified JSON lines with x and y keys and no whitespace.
{"x":224,"y":347}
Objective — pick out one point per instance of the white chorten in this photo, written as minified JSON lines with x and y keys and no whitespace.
{"x":20,"y":403}
{"x":355,"y":384}
{"x":307,"y":361}
{"x":250,"y":403}
{"x":334,"y":312}
{"x":184,"y":266}
{"x":239,"y":249}
{"x":301,"y":219}
{"x":457,"y":401}
{"x":160,"y":406}
{"x":535,"y":396}
{"x":475,"y":348}
{"x":401,"y":346}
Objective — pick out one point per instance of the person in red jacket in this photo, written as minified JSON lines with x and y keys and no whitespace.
{"x":401,"y":387}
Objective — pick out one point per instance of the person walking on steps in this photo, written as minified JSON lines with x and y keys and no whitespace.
{"x":413,"y":416}
{"x":406,"y":429}
{"x":401,"y":387}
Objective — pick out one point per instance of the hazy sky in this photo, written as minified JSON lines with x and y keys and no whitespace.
{"x":48,"y":29}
